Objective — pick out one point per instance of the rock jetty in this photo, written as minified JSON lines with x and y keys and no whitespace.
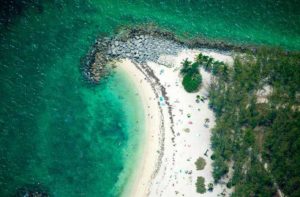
{"x":142,"y":44}
{"x":139,"y":47}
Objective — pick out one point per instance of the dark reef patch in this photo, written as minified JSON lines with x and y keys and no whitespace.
{"x":32,"y":190}
{"x":9,"y":9}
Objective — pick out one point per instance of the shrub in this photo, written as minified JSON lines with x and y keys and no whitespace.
{"x":213,"y":157}
{"x":200,"y":163}
{"x":210,"y":187}
{"x":192,"y":78}
{"x":192,"y":82}
{"x":200,"y":185}
{"x":220,"y":168}
{"x":229,"y":184}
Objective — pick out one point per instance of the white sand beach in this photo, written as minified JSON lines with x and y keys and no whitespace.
{"x":175,"y":131}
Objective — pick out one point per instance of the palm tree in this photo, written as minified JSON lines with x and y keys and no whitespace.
{"x":199,"y":58}
{"x":224,"y":71}
{"x":194,"y":68}
{"x":216,"y":67}
{"x":185,"y":67}
{"x":208,"y":63}
{"x":205,"y":58}
{"x":189,"y":68}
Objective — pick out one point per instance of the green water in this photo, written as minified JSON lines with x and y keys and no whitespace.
{"x":74,"y":138}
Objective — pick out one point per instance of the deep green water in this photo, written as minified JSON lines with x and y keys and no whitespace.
{"x":73,"y":138}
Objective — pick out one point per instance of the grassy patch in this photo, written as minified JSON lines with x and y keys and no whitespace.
{"x":200,"y":163}
{"x":200,"y":185}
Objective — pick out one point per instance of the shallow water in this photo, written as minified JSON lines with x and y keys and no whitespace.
{"x":71,"y":137}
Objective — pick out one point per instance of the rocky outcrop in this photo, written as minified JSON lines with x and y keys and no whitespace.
{"x":141,"y":44}
{"x":142,"y":48}
{"x":138,"y":46}
{"x":94,"y":63}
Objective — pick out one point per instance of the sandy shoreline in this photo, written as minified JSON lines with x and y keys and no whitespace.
{"x":139,"y":181}
{"x":166,"y":163}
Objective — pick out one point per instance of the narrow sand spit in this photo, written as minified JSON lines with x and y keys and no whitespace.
{"x":175,"y":131}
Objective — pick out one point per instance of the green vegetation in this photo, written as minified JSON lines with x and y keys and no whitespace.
{"x":200,"y":163}
{"x":192,"y":78}
{"x":200,"y":185}
{"x":210,"y":187}
{"x":250,"y":132}
{"x":217,"y":68}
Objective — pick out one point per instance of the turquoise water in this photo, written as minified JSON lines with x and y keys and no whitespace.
{"x":68,"y":136}
{"x":73,"y":138}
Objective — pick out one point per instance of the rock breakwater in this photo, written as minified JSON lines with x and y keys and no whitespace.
{"x":142,"y":44}
{"x":138,"y":46}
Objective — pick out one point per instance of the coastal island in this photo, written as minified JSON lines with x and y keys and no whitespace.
{"x":187,"y":148}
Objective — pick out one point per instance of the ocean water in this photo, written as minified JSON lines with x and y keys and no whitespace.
{"x":76,"y":139}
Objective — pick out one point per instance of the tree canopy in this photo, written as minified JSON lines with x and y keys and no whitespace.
{"x":192,"y":78}
{"x":259,"y":136}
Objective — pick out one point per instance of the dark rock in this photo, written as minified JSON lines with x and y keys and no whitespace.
{"x":34,"y":190}
{"x":140,"y":45}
